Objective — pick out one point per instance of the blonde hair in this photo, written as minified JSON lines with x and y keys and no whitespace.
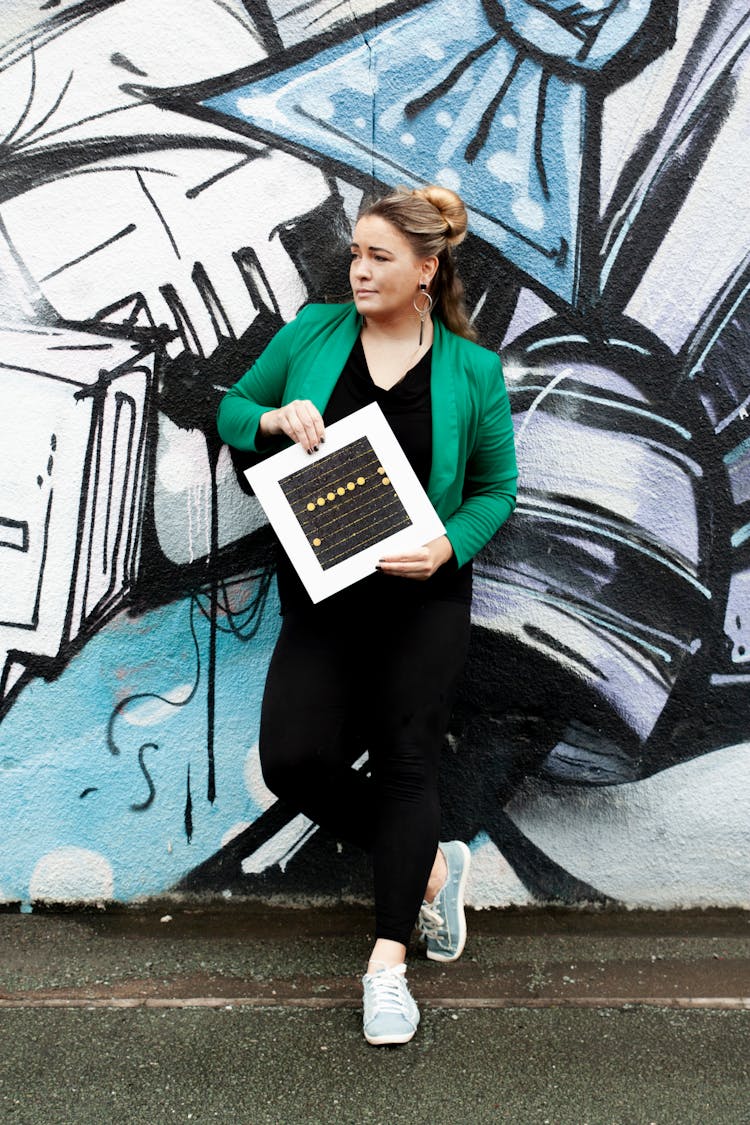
{"x":433,"y":220}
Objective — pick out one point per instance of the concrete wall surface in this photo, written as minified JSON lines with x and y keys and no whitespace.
{"x":177,"y":180}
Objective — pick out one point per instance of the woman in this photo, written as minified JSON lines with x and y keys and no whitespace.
{"x":380,"y":660}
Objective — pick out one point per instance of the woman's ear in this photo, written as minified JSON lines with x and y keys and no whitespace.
{"x":428,"y":271}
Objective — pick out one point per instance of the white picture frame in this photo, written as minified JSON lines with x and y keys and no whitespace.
{"x":327,"y":507}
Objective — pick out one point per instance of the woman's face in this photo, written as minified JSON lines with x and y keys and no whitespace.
{"x":384,"y":273}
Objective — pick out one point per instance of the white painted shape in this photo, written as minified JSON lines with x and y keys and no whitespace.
{"x":708,"y":238}
{"x":239,"y":514}
{"x":266,"y":107}
{"x":43,"y":450}
{"x":12,"y":672}
{"x":182,"y":493}
{"x":209,"y":227}
{"x":113,"y":512}
{"x":22,"y":17}
{"x":678,"y":839}
{"x":153,"y":711}
{"x":280,"y":848}
{"x":492,"y":881}
{"x":256,"y":787}
{"x":448,"y":177}
{"x":318,"y":105}
{"x":635,"y":481}
{"x":17,"y":293}
{"x":737,"y":617}
{"x":507,"y":167}
{"x":530,"y":310}
{"x":72,"y":874}
{"x":180,"y":449}
{"x":351,"y":198}
{"x":529,"y":213}
{"x":25,"y":451}
{"x":173,"y":42}
{"x":433,"y":50}
{"x":633,"y":110}
{"x":234,"y":831}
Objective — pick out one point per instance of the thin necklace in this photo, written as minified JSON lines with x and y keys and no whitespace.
{"x":410,"y":362}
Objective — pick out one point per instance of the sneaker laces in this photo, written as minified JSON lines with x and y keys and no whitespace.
{"x":388,"y":990}
{"x":431,"y":921}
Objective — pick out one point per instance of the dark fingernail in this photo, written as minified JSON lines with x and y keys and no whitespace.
{"x":316,"y":448}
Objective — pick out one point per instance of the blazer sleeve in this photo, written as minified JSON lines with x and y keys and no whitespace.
{"x":259,"y":390}
{"x":489,"y":494}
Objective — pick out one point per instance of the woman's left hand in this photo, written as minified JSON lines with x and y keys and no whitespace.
{"x":420,"y":564}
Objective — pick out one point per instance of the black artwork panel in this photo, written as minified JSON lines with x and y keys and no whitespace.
{"x":344,"y":502}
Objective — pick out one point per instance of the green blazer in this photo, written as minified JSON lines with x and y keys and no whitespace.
{"x":472,"y":482}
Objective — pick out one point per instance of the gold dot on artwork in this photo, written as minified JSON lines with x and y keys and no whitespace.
{"x":321,"y":501}
{"x":386,"y":480}
{"x":351,"y":485}
{"x":311,"y":507}
{"x":381,"y":470}
{"x":340,"y":490}
{"x":316,"y":542}
{"x":360,"y":480}
{"x":331,"y":496}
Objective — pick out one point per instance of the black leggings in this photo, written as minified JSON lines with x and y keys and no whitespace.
{"x":383,"y":679}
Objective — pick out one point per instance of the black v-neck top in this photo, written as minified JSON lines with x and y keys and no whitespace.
{"x":407,"y":406}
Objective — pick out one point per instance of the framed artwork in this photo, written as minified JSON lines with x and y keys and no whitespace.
{"x":337,"y":511}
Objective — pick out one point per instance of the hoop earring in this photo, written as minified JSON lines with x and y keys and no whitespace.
{"x":424,"y":311}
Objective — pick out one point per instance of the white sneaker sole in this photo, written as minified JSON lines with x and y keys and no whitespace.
{"x":437,"y":955}
{"x":387,"y":1040}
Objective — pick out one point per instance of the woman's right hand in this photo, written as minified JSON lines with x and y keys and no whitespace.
{"x":299,"y":420}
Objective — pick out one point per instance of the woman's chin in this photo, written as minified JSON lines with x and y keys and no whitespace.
{"x":365,"y":306}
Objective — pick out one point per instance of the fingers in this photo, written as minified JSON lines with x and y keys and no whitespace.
{"x":412,"y":564}
{"x":421,"y":563}
{"x":420,"y":556}
{"x":301,"y":421}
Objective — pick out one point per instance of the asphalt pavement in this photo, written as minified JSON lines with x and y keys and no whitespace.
{"x":251,"y":1015}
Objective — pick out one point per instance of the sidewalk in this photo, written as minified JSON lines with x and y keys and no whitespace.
{"x":250,"y":1015}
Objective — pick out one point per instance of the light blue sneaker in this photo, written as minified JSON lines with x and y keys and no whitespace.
{"x":391,"y":1014}
{"x":442,"y":922}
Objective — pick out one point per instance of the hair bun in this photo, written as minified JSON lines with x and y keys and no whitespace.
{"x":451,"y":208}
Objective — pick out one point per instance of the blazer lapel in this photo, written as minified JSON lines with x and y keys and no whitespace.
{"x":327,"y":354}
{"x":445,"y":420}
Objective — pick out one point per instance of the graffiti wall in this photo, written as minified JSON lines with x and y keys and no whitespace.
{"x":177,"y":180}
